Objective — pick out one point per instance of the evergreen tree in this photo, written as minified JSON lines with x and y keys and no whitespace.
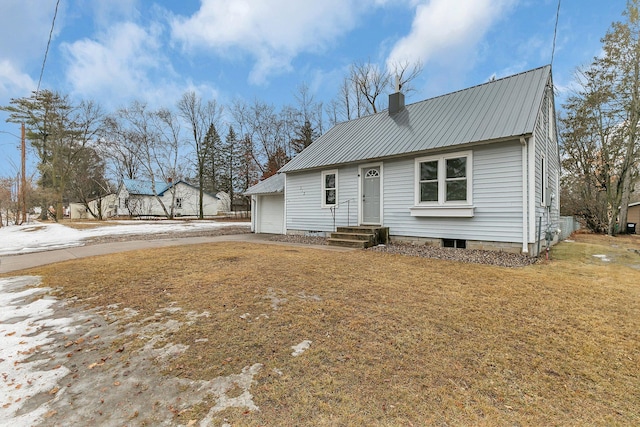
{"x":305,"y":135}
{"x":213,"y":165}
{"x":231,"y":163}
{"x":61,"y":133}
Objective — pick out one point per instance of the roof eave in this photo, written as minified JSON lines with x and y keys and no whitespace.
{"x":447,"y":149}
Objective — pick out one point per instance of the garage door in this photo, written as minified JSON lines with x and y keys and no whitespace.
{"x":271,"y":214}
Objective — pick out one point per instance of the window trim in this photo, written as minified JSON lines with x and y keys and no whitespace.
{"x":324,"y":189}
{"x":442,"y":207}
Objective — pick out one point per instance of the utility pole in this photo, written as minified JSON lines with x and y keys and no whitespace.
{"x":23,"y":184}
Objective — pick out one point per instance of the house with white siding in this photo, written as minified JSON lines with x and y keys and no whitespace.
{"x":477,"y":168}
{"x":104,"y":206}
{"x":139,"y":198}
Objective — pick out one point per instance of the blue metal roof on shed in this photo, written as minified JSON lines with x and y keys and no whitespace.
{"x":492,"y":111}
{"x":144,"y":188}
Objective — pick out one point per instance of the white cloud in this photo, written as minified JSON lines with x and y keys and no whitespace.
{"x":13,"y":80}
{"x":117,"y":63}
{"x":447,"y":29}
{"x":273,"y":32}
{"x":25,"y":25}
{"x":106,"y":12}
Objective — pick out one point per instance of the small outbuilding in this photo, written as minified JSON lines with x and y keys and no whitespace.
{"x":105,"y":205}
{"x":633,"y":217}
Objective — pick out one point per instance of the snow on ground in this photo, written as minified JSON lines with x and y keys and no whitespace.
{"x":58,"y":366}
{"x":44,"y":236}
{"x":22,"y":327}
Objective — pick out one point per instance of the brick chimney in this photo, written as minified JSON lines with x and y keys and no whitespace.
{"x":396,"y":103}
{"x":396,"y":99}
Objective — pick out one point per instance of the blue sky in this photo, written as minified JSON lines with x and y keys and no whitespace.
{"x":114,"y":51}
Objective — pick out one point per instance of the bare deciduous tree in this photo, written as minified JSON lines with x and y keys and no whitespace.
{"x":360,"y":91}
{"x":200,"y":117}
{"x":602,"y":138}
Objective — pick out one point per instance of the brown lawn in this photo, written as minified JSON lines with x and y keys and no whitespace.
{"x":396,"y":340}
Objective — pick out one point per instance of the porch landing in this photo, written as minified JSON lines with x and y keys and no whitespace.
{"x":359,"y":237}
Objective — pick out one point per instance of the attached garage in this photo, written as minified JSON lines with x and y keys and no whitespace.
{"x":270,"y":219}
{"x":267,"y":205}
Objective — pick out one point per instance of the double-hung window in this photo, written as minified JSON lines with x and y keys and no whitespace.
{"x":329,"y":188}
{"x":443,"y":185}
{"x":455,"y":179}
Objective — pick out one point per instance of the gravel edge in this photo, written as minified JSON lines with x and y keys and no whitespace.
{"x":474,"y":256}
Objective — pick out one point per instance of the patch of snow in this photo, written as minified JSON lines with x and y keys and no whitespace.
{"x":304,"y":296}
{"x":603,"y":258}
{"x":275,"y":299}
{"x":221,"y":385}
{"x":43,"y":236}
{"x":170,"y":310}
{"x":300,"y":348}
{"x":32,"y":325}
{"x":130,"y":312}
{"x":25,"y":313}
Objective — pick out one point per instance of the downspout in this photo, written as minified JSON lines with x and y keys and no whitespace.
{"x":284,"y":216}
{"x":525,"y":227}
{"x":254,"y":201}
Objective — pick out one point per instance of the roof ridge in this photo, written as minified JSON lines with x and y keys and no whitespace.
{"x":385,"y":111}
{"x":481,"y":84}
{"x":484,"y":112}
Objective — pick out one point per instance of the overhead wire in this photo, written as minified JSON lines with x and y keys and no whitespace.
{"x":46,"y":52}
{"x":555,"y":33}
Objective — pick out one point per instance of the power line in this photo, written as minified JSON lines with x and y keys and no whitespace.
{"x":46,"y":52}
{"x":555,"y":33}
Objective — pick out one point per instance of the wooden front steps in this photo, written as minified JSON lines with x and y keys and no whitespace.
{"x":359,"y":237}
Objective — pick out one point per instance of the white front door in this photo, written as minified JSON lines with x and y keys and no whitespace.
{"x":371,"y":195}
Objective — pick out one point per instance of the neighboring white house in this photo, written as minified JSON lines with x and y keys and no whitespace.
{"x":108,"y":204}
{"x":478,"y":168}
{"x":139,"y":198}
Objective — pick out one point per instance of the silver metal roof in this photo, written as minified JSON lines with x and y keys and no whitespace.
{"x":271,"y":185}
{"x":491,"y":111}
